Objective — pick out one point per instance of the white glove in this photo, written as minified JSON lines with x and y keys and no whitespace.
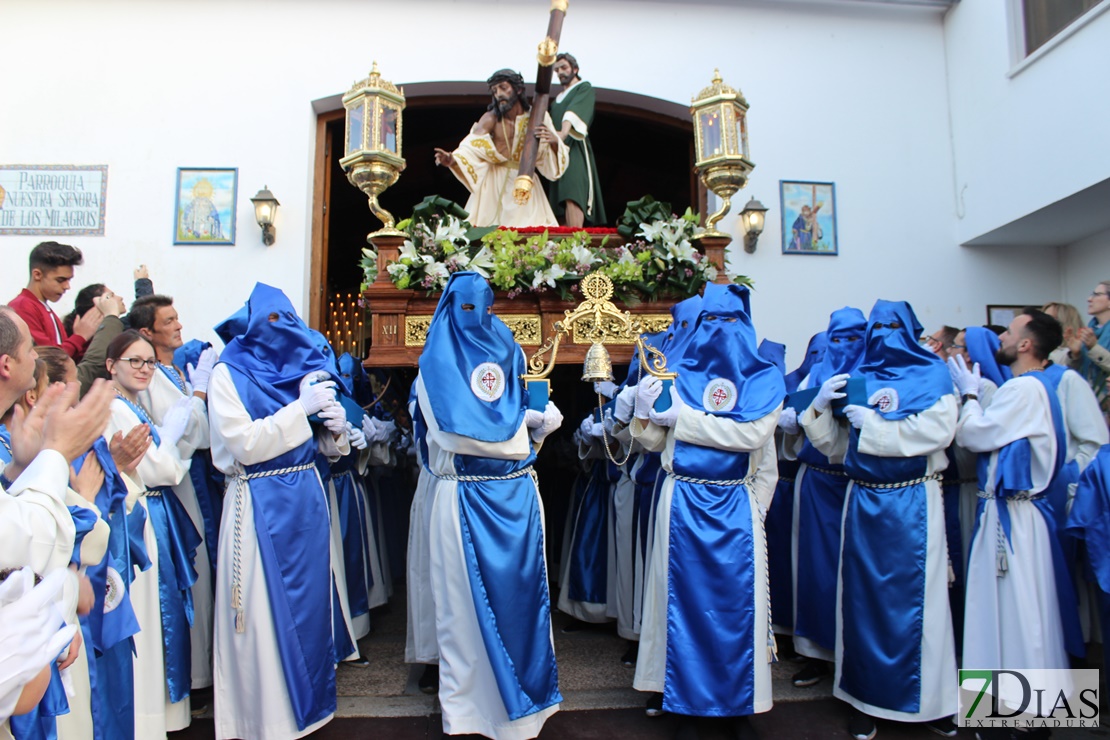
{"x":356,"y":437}
{"x":585,"y":429}
{"x":670,"y":416}
{"x":34,"y":631}
{"x":175,"y":422}
{"x":606,"y":388}
{"x":551,"y":419}
{"x":828,"y":392}
{"x":533,"y":419}
{"x":597,"y":429}
{"x":335,"y":417}
{"x":372,"y":429}
{"x":788,"y":420}
{"x":626,"y":402}
{"x":316,"y":392}
{"x":607,"y":421}
{"x":966,"y":381}
{"x":202,"y":373}
{"x":858,"y":415}
{"x":647,"y":391}
{"x":388,"y":430}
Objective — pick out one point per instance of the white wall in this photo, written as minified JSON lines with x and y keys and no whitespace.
{"x":854,"y":94}
{"x":1023,"y":142}
{"x":1086,"y":263}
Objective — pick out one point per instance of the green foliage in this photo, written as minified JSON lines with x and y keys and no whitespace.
{"x":646,"y":210}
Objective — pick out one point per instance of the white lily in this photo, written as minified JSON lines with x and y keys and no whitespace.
{"x":548,"y":276}
{"x":650,"y":231}
{"x":627,"y":257}
{"x":682,"y":251}
{"x":710,"y":273}
{"x":482,"y":262}
{"x":451,"y":231}
{"x":408,"y":251}
{"x":582,"y":255}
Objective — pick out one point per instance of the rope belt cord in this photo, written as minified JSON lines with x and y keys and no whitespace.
{"x":151,"y":492}
{"x":826,"y":471}
{"x":1002,"y":563}
{"x":1023,"y":496}
{"x":746,"y":481}
{"x":483,"y":478}
{"x":903,"y":484}
{"x":237,"y":539}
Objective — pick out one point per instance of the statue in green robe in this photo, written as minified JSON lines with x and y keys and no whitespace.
{"x":576,"y":196}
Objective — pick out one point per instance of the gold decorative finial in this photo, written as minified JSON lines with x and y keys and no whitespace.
{"x":559,"y":5}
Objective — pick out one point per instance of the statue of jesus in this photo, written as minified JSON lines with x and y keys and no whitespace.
{"x":487,"y":160}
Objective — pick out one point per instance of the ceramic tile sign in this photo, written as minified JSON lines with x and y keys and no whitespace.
{"x":52,"y":199}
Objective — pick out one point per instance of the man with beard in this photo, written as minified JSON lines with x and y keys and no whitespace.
{"x":576,"y":196}
{"x":1015,"y":565}
{"x":487,"y":160}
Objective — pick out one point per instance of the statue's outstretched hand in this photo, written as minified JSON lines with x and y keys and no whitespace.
{"x":444,"y":158}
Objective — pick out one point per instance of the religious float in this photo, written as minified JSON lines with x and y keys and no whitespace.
{"x":649,"y":262}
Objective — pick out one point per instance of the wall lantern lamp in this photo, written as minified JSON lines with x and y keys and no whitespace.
{"x":753,"y":219}
{"x":265,"y":208}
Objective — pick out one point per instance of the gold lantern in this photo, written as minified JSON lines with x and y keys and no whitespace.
{"x":372,"y":145}
{"x":721,"y":138}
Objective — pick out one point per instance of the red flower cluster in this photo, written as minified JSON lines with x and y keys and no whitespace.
{"x":557,"y":230}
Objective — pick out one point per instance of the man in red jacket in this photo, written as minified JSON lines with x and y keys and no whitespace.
{"x":51,"y":270}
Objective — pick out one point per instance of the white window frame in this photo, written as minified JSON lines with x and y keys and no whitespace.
{"x":1016,"y":21}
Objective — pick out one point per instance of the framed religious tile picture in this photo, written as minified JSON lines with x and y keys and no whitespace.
{"x":808,"y":217}
{"x":204,"y":210}
{"x":1002,"y":315}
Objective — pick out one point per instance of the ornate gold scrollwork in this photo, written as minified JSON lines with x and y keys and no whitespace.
{"x":596,"y":321}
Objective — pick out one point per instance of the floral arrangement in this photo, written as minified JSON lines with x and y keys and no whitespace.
{"x":660,"y":259}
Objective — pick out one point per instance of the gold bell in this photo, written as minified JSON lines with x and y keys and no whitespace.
{"x":597,"y":366}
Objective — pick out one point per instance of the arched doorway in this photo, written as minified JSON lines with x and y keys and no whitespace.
{"x":643,"y":146}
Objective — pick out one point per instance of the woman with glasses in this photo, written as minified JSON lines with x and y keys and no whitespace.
{"x":161,"y":595}
{"x":1089,"y":349}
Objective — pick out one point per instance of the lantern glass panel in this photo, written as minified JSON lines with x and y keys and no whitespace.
{"x":742,"y":134}
{"x":387,"y":129}
{"x":710,"y":126}
{"x":355,"y":115}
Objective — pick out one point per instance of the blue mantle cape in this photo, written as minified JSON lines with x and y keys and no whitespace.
{"x":711,"y":625}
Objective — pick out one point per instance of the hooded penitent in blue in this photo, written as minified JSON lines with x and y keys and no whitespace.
{"x":981,"y":345}
{"x":277,"y":349}
{"x":291,"y":521}
{"x":464,"y":334}
{"x":711,"y":639}
{"x":499,"y":518}
{"x":843,"y":348}
{"x":820,"y":497}
{"x":780,"y":515}
{"x":233,"y":325}
{"x":774,"y":353}
{"x":722,"y":345}
{"x":893,"y":358}
{"x":883,"y":595}
{"x":814,"y":352}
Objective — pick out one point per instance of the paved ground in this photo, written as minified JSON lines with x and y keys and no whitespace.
{"x":382,"y":700}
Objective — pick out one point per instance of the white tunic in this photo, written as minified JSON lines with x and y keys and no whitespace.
{"x":154,"y":714}
{"x":158,"y":399}
{"x":468,"y":693}
{"x":251,"y":699}
{"x":1012,"y":620}
{"x":925,"y":434}
{"x":694,"y":427}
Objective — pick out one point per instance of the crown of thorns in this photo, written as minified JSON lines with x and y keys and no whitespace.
{"x":506,"y":75}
